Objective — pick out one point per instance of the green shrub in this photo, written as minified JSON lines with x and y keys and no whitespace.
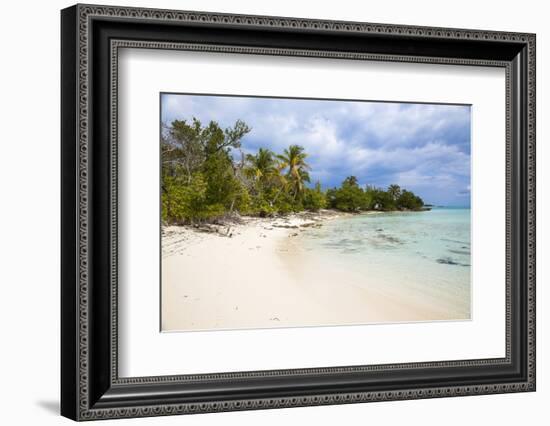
{"x":314,"y":199}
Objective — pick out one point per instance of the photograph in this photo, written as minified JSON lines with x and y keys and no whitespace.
{"x":294,"y":212}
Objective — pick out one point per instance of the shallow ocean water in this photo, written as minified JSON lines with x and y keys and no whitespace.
{"x":425,"y":254}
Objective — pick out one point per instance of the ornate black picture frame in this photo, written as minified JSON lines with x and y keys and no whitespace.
{"x":91,"y":388}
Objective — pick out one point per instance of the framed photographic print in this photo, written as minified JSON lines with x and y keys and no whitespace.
{"x":263,"y":212}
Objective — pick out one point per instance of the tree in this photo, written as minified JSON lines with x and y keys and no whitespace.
{"x":379,"y":199}
{"x":349,"y":197}
{"x":181,"y":149}
{"x":409,"y":201}
{"x":294,"y":160}
{"x":394,"y":191}
{"x":350,"y":181}
{"x":261,"y":167}
{"x":314,"y":199}
{"x":187,"y":203}
{"x":198,"y":175}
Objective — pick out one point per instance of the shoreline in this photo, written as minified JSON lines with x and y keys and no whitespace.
{"x":253,"y":273}
{"x":305,"y":216}
{"x":173,"y":235}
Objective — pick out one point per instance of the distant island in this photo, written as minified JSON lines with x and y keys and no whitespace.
{"x":202,"y":182}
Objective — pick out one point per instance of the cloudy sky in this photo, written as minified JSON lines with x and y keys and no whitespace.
{"x":422,"y":147}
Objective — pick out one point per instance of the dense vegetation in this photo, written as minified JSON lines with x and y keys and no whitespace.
{"x":351,"y":197}
{"x":203,"y":179}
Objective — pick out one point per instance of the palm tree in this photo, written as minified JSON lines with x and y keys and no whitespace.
{"x":261,"y":167}
{"x":294,"y":159}
{"x":394,"y":191}
{"x":266,"y":173}
{"x":280,"y":181}
{"x":351,"y":181}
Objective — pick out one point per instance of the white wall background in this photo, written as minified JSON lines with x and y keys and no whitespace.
{"x":29,"y":211}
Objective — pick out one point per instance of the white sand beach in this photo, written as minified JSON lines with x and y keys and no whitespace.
{"x":255,"y":274}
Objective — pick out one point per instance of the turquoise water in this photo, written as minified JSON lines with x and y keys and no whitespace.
{"x":427,"y":254}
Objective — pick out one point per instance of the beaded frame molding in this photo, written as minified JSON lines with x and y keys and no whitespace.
{"x":91,"y":38}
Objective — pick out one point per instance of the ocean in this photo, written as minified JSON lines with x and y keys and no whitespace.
{"x":425,"y":255}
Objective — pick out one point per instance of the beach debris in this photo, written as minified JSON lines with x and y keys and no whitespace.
{"x":274,"y":319}
{"x":283,"y":225}
{"x":311,"y":224}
